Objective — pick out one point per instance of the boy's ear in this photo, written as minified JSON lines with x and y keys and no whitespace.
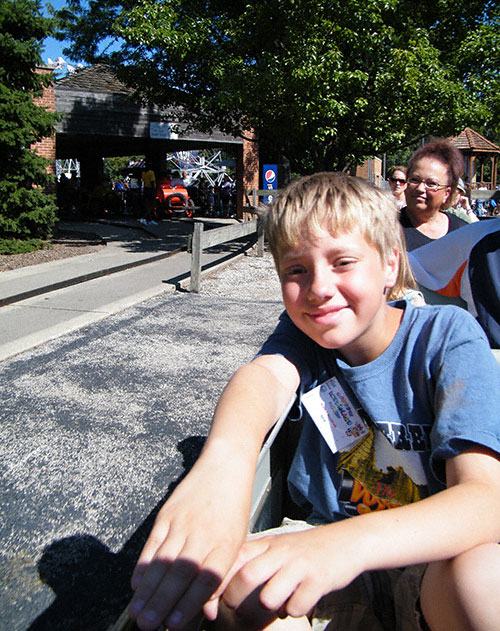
{"x":392,"y":268}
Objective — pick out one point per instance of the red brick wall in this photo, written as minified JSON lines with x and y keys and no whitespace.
{"x":47,"y":146}
{"x":248,"y":172}
{"x":371,"y":169}
{"x":250,"y":164}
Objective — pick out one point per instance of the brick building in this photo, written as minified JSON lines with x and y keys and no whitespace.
{"x":100,"y":118}
{"x":47,"y":146}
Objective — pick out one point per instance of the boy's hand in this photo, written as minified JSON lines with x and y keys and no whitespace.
{"x":200,"y":529}
{"x":291,"y":571}
{"x":192,"y":546}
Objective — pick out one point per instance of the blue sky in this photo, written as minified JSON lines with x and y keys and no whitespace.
{"x":53,"y":48}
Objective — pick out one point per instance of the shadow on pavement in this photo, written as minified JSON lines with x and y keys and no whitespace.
{"x":92,"y":583}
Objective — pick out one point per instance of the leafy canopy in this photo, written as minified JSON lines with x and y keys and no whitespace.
{"x":322,"y":82}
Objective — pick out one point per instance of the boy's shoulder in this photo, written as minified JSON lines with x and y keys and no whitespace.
{"x":433,"y":313}
{"x":440,"y":323}
{"x":424,"y":332}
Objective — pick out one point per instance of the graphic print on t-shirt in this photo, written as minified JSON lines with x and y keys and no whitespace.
{"x":377,"y":476}
{"x":379,"y":463}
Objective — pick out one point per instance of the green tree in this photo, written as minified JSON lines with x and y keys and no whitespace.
{"x":322,"y":83}
{"x":113,"y":167}
{"x":26,"y":210}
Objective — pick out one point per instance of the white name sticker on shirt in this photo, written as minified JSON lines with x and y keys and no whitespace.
{"x":334,"y":415}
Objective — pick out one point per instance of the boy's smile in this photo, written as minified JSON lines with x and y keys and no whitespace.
{"x":333,"y":290}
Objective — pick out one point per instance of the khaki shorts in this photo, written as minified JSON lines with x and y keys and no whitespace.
{"x":382,"y":600}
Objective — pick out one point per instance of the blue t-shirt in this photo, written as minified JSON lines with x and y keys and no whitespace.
{"x":433,"y":392}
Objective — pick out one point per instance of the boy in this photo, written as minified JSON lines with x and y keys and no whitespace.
{"x":420,"y":437}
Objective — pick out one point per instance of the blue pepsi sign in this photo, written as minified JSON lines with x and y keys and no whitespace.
{"x":270,"y":180}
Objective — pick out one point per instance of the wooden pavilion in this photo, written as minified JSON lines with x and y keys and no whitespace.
{"x":477,"y":150}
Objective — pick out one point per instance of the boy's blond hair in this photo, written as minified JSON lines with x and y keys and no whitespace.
{"x":339,"y":203}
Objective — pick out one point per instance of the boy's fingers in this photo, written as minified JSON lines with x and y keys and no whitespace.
{"x":193,"y":599}
{"x":175,"y":589}
{"x":148,"y":587}
{"x":150,"y":549}
{"x":151,"y":573}
{"x":211,"y":609}
{"x":207,"y":581}
{"x":303,"y":599}
{"x":247,"y":552}
{"x":174,"y":583}
{"x":279,"y":591}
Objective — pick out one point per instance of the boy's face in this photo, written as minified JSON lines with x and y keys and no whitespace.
{"x":333,"y":290}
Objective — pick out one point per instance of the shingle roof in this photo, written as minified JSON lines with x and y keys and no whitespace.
{"x":98,"y":78}
{"x":471,"y":141}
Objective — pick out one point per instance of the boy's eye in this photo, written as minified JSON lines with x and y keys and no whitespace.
{"x":294,"y":271}
{"x":344,"y":262}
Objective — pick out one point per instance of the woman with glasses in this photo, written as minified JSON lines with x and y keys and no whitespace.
{"x":432,"y":175}
{"x":397,"y":184}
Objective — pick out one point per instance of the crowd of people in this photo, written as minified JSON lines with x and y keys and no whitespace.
{"x":448,"y":258}
{"x":438,"y":216}
{"x":136,"y":194}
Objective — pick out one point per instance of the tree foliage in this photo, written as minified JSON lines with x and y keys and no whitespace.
{"x":324,"y":83}
{"x":26,"y":211}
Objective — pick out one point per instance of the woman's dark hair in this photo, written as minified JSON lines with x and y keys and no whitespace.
{"x":396,"y":168}
{"x":446,"y":153}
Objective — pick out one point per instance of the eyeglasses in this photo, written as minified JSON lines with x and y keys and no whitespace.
{"x":397,"y":179}
{"x":429,"y":186}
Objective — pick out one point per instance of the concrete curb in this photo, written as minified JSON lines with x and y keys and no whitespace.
{"x":11,"y":349}
{"x":32,"y":340}
{"x":85,"y":277}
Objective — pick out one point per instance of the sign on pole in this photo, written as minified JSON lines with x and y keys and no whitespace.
{"x":270,"y":179}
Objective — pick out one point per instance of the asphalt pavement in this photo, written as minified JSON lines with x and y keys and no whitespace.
{"x":106,"y":402}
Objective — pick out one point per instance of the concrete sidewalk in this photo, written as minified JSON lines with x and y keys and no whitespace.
{"x":44,"y":301}
{"x":124,"y":250}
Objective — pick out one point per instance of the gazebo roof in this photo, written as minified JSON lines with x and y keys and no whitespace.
{"x":471,"y":141}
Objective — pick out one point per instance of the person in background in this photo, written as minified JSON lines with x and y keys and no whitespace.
{"x":461,"y":206}
{"x":148,"y":195}
{"x":398,"y":184}
{"x":465,"y":264}
{"x":433,"y":174}
{"x":176,"y":179}
{"x":134,"y":196}
{"x":226,"y":193}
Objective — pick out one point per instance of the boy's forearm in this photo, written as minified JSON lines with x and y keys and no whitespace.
{"x":204,"y":521}
{"x":251,"y":403}
{"x":465,"y":515}
{"x":294,"y":570}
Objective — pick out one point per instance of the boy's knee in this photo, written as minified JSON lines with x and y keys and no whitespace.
{"x":476,"y":571}
{"x":457,"y":593}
